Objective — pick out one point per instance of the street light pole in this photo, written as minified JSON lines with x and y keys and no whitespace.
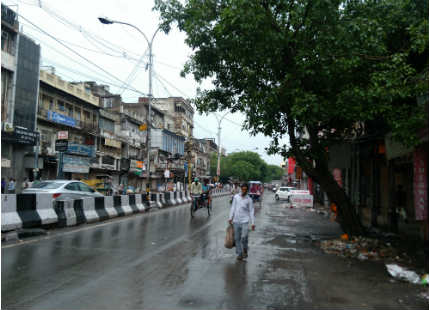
{"x":219,"y":121}
{"x":150,"y":65}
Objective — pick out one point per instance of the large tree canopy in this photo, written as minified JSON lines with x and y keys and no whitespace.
{"x":315,"y":70}
{"x":245,"y":166}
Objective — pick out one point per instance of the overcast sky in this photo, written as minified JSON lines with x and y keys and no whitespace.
{"x":117,"y":50}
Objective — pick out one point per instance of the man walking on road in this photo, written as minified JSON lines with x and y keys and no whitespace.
{"x":241,"y":213}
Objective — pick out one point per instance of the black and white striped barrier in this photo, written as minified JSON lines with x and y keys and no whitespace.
{"x":10,"y":219}
{"x":27,"y":211}
{"x":163,"y":201}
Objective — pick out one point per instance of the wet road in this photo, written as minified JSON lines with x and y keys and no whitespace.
{"x":166,"y":260}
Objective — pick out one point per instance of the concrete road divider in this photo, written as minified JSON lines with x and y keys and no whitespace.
{"x":89,"y":210}
{"x":117,"y":205}
{"x":179,"y":200}
{"x":10,"y":219}
{"x":168,"y":201}
{"x":163,"y":202}
{"x":125,"y":203}
{"x":100,"y":208}
{"x":139,"y":203}
{"x":37,"y":210}
{"x":108,"y":205}
{"x":145,"y":201}
{"x":78,"y":210}
{"x":132,"y":203}
{"x":66,"y":213}
{"x":173,"y":198}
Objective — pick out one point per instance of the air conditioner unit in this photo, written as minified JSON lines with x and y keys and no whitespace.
{"x":8,"y":127}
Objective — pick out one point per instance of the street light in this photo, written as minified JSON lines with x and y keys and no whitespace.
{"x":219,"y":121}
{"x":107,"y":21}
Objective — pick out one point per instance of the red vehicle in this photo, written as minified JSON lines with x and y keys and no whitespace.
{"x":256,"y":190}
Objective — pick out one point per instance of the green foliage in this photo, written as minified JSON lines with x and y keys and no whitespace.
{"x":314,"y":64}
{"x":245,"y":166}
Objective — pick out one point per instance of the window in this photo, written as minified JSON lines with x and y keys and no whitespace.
{"x":73,"y":186}
{"x":86,"y":116}
{"x":77,"y":112}
{"x":69,"y":110}
{"x":85,"y":188}
{"x":60,"y":106}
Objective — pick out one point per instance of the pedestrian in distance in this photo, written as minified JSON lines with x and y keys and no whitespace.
{"x":11,"y":186}
{"x":3,"y":185}
{"x":25,"y":184}
{"x":242,"y":212}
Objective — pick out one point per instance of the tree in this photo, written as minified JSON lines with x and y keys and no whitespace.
{"x":312,"y":69}
{"x":274,"y":173}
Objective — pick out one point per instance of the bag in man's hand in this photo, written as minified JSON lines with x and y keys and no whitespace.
{"x":229,"y":238}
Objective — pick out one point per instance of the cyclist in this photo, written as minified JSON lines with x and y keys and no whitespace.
{"x":196,"y":190}
{"x":206,"y":191}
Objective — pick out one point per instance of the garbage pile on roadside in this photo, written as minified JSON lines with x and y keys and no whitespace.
{"x":362,"y":248}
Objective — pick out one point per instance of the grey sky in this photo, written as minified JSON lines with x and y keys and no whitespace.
{"x":75,"y":24}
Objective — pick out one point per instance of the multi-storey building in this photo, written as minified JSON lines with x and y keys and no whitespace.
{"x":201,"y":158}
{"x":69,"y":108}
{"x":20,"y":79}
{"x":179,"y":114}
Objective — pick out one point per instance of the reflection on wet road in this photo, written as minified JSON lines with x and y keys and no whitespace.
{"x":166,"y":260}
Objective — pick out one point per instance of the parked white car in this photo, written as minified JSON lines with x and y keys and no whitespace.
{"x":283,"y":193}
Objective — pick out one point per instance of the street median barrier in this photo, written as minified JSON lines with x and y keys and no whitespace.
{"x":89,"y":211}
{"x":163,"y":201}
{"x":66,"y":213}
{"x":108,"y":205}
{"x":10,"y":219}
{"x":133,"y":204}
{"x":139,"y":203}
{"x":179,"y":200}
{"x":125,"y":203}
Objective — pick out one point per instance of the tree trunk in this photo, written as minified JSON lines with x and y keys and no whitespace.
{"x":347,"y":217}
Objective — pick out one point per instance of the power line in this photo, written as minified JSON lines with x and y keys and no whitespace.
{"x":78,"y":54}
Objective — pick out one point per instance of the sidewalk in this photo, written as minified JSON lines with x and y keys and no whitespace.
{"x":318,"y":280}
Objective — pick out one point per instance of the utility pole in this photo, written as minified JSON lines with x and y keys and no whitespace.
{"x":107,"y":21}
{"x":219,"y":121}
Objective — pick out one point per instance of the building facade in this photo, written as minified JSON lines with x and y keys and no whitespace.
{"x":20,"y":80}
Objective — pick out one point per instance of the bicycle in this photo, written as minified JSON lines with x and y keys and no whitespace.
{"x":200,"y":202}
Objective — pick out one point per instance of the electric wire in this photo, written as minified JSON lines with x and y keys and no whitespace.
{"x":79,"y":55}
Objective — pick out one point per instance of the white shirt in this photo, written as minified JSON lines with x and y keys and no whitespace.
{"x":242,"y":210}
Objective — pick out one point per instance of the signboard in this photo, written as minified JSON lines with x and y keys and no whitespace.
{"x":291,"y":165}
{"x":81,"y":149}
{"x":60,"y":119}
{"x":112,"y":143}
{"x":61,"y":145}
{"x":76,"y":164}
{"x":302,"y":200}
{"x":300,"y":192}
{"x":21,"y":135}
{"x":5,"y":163}
{"x":63,"y":135}
{"x":136,"y":166}
{"x":167,"y":174}
{"x":420,"y":186}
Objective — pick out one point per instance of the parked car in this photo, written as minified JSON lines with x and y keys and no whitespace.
{"x":63,"y":189}
{"x":283,"y":193}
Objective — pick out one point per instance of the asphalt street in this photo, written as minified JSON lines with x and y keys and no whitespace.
{"x":166,"y":260}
